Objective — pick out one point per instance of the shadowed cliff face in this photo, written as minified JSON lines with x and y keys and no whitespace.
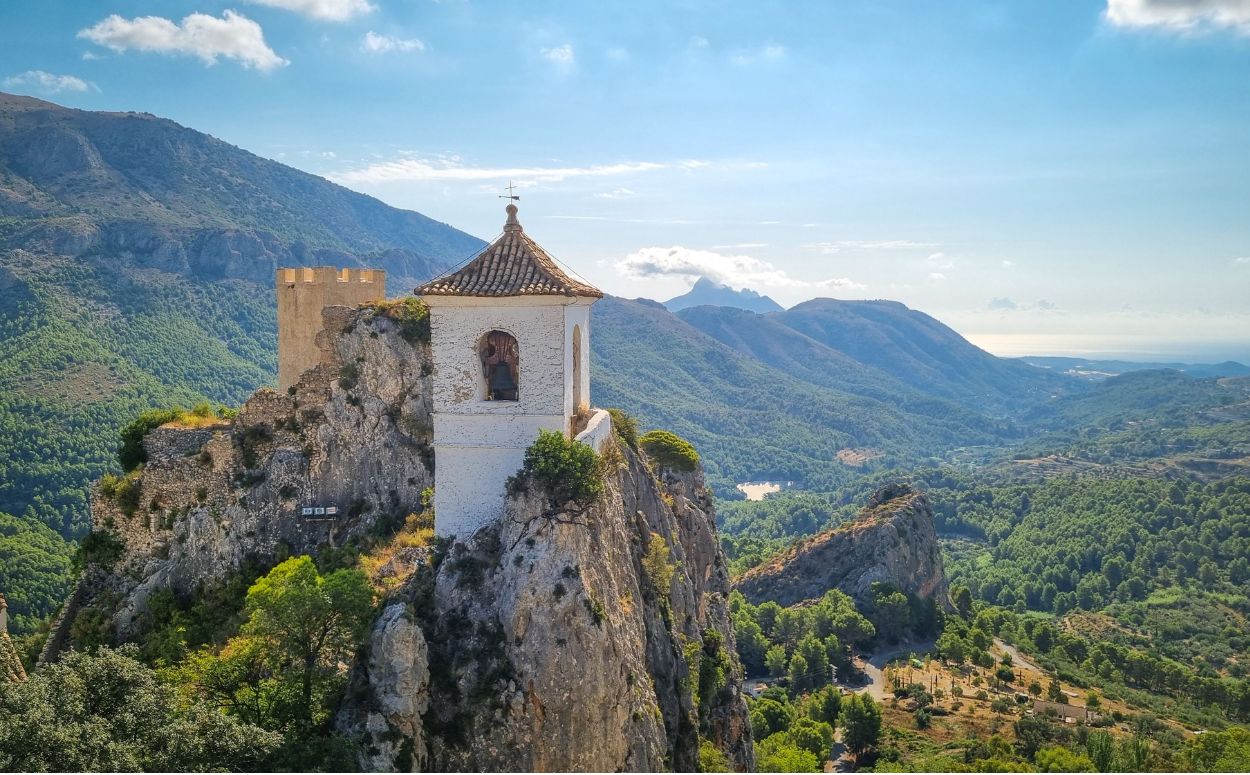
{"x":891,"y":541}
{"x":543,"y":644}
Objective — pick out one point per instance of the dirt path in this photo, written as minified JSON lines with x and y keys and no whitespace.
{"x":1017,"y":658}
{"x":874,"y":667}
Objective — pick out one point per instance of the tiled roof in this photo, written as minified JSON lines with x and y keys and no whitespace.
{"x":514,"y":265}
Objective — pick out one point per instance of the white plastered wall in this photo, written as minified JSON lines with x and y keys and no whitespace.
{"x":478,"y":444}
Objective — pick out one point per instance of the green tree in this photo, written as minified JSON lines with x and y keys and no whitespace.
{"x":825,"y":705}
{"x":1101,"y":749}
{"x":776,"y":662}
{"x":961,"y":596}
{"x":1056,"y":758}
{"x":812,"y":735}
{"x":1227,"y":750}
{"x":711,"y":758}
{"x":777,"y":753}
{"x":109,"y":712}
{"x":861,"y":723}
{"x":284,"y":670}
{"x":768,"y":717}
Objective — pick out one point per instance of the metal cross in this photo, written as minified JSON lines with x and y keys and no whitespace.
{"x":510,"y":195}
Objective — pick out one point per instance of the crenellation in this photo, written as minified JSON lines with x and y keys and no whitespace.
{"x":303,"y":293}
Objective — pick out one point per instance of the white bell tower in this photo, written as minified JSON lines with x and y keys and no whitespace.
{"x":510,"y":339}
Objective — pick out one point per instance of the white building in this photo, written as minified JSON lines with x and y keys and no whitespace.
{"x":510,"y":334}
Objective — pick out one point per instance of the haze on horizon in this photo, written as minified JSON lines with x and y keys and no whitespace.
{"x":1046,"y":178}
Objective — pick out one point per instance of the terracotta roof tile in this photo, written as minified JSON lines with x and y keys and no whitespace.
{"x":514,"y":265}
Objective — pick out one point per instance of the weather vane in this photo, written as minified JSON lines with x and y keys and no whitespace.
{"x":510,"y":195}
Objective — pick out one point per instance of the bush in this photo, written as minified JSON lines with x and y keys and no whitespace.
{"x":625,"y":426}
{"x":567,"y":470}
{"x":130,"y":454}
{"x":413,"y":317}
{"x":99,"y":548}
{"x":670,"y":450}
{"x":122,"y":490}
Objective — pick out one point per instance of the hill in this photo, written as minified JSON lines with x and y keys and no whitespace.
{"x":920,"y":351}
{"x":1101,"y":369}
{"x":136,"y":270}
{"x":751,"y":420}
{"x":711,"y":293}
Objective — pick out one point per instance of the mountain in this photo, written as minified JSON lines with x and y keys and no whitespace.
{"x":922,"y":352}
{"x":1102,"y":369}
{"x":711,"y":293}
{"x":753,"y":420}
{"x":136,"y":270}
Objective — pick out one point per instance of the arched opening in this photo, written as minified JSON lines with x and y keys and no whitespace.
{"x":579,"y":405}
{"x":500,"y":365}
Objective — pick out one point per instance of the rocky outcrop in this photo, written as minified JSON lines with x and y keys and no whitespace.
{"x":551,"y":649}
{"x":540,"y":643}
{"x":334,"y":457}
{"x":891,"y":541}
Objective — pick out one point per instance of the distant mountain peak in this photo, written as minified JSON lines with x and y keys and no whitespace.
{"x":708,"y":292}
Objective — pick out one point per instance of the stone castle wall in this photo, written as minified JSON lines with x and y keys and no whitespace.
{"x":302,"y":295}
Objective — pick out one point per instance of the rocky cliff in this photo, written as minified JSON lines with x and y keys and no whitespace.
{"x":543,"y":642}
{"x":891,"y":541}
{"x":352,"y":437}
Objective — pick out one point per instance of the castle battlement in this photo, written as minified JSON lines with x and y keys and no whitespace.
{"x":325,"y":275}
{"x":303,"y":292}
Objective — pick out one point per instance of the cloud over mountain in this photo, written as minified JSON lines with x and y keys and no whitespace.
{"x":737,"y":272}
{"x":233,"y":36}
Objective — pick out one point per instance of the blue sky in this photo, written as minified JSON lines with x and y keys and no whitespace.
{"x":1069,"y":176}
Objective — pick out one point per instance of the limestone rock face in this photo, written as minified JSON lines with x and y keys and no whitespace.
{"x":892,"y":541}
{"x":551,"y":649}
{"x":351,"y":435}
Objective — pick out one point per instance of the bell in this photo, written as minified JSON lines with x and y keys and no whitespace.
{"x":502,"y":385}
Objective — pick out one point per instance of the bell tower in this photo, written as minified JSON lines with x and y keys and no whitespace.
{"x":510,"y":343}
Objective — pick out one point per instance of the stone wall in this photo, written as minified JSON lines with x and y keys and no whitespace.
{"x":598,"y":431}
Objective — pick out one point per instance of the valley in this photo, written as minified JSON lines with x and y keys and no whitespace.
{"x":874,"y":480}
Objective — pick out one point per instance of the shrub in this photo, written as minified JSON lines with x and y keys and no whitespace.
{"x":122,"y":490}
{"x":130,"y":454}
{"x":658,"y":569}
{"x":349,"y":375}
{"x":669,"y":450}
{"x":625,"y":426}
{"x":411,"y":313}
{"x":99,"y":548}
{"x":567,"y":470}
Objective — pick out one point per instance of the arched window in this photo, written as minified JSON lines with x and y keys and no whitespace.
{"x":579,"y":405}
{"x":500,"y":367}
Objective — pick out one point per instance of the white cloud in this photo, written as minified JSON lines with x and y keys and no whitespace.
{"x":616,"y":193}
{"x":1181,"y":15}
{"x":837,"y":246}
{"x":1004,"y":304}
{"x":562,"y":56}
{"x":844,"y":283}
{"x":376,"y":43}
{"x":940,"y":261}
{"x":1242,"y":260}
{"x":737,"y":272}
{"x":325,"y":10}
{"x":618,"y":54}
{"x":767,"y":53}
{"x":47,"y":83}
{"x":937,"y":276}
{"x":698,"y":41}
{"x":233,"y":36}
{"x":421,"y":169}
{"x":1007,"y":263}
